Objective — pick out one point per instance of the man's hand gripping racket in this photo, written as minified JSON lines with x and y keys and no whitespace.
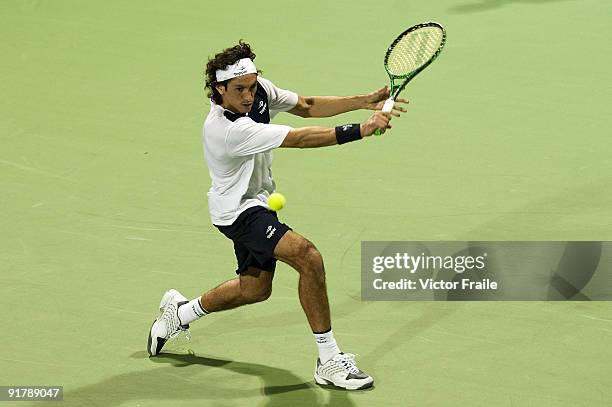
{"x":410,"y":53}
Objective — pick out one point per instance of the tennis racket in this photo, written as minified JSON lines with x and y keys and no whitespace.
{"x":410,"y":53}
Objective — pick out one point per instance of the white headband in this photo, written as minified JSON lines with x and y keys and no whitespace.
{"x":241,"y":67}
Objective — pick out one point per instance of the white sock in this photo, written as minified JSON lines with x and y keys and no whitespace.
{"x":191,"y":311}
{"x":328,"y":348}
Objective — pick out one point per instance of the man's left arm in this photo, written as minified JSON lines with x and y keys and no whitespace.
{"x":326,"y":106}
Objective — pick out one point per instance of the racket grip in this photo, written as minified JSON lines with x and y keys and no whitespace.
{"x":387,"y":107}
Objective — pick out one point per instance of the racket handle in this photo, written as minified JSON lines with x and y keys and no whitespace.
{"x":387,"y":107}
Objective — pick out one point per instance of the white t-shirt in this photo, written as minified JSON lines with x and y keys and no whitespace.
{"x":238,"y":152}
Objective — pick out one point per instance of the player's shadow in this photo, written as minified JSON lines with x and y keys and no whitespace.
{"x":486,"y":5}
{"x":205,"y":381}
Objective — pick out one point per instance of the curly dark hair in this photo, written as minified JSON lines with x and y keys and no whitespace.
{"x":222,"y":60}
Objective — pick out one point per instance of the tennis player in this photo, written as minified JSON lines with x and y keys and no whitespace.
{"x":238,"y":142}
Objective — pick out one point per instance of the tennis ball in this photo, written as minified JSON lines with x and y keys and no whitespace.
{"x":276,"y":201}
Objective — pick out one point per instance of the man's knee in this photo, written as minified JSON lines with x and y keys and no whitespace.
{"x":309,"y":258}
{"x":301,"y":254}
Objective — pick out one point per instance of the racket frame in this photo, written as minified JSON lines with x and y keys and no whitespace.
{"x":397,"y":88}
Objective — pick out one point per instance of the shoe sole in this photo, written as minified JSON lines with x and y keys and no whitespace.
{"x":160,"y":343}
{"x":324,"y":382}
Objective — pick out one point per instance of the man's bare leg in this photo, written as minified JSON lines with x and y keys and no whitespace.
{"x":333,"y":366}
{"x":253,"y":285}
{"x":303,"y":256}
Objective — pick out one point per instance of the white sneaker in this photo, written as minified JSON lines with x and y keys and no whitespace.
{"x":167,"y":325}
{"x":341,"y":371}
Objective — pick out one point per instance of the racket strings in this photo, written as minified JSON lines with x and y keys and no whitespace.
{"x":414,"y":50}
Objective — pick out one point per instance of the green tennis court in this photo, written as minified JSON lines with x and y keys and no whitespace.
{"x":104,"y":199}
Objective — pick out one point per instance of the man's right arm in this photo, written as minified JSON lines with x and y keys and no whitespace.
{"x":312,"y":137}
